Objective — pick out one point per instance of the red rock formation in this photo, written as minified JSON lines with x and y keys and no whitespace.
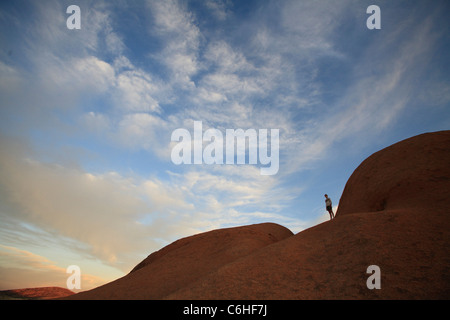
{"x":187,"y":260}
{"x":411,"y":174}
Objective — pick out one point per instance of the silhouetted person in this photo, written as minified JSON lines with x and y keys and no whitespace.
{"x":329,"y":206}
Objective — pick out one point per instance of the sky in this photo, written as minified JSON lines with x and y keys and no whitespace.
{"x":86,"y":118}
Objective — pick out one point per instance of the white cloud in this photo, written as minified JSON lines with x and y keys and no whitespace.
{"x":171,"y":17}
{"x":310,"y":24}
{"x":96,"y":122}
{"x":48,"y":26}
{"x":90,"y":73}
{"x":231,"y":85}
{"x":9,"y":77}
{"x":176,"y":26}
{"x":135,"y":92}
{"x":143,"y":131}
{"x":218,"y":8}
{"x":221,"y":55}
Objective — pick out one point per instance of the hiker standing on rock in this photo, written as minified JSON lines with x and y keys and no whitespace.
{"x":329,"y":206}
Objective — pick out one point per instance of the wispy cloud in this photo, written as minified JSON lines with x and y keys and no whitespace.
{"x":176,"y":24}
{"x":375,"y":98}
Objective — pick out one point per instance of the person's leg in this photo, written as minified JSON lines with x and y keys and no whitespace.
{"x":331,"y":214}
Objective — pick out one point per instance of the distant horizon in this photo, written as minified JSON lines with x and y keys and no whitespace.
{"x":88,"y":111}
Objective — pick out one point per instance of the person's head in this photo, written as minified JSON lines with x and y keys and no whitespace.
{"x":326,"y":196}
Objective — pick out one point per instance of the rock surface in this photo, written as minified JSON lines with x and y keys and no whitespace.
{"x":41,"y":293}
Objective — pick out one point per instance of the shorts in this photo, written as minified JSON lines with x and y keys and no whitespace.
{"x":328,"y":208}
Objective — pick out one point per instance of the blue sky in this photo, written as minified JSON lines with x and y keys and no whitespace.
{"x":86,"y":118}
